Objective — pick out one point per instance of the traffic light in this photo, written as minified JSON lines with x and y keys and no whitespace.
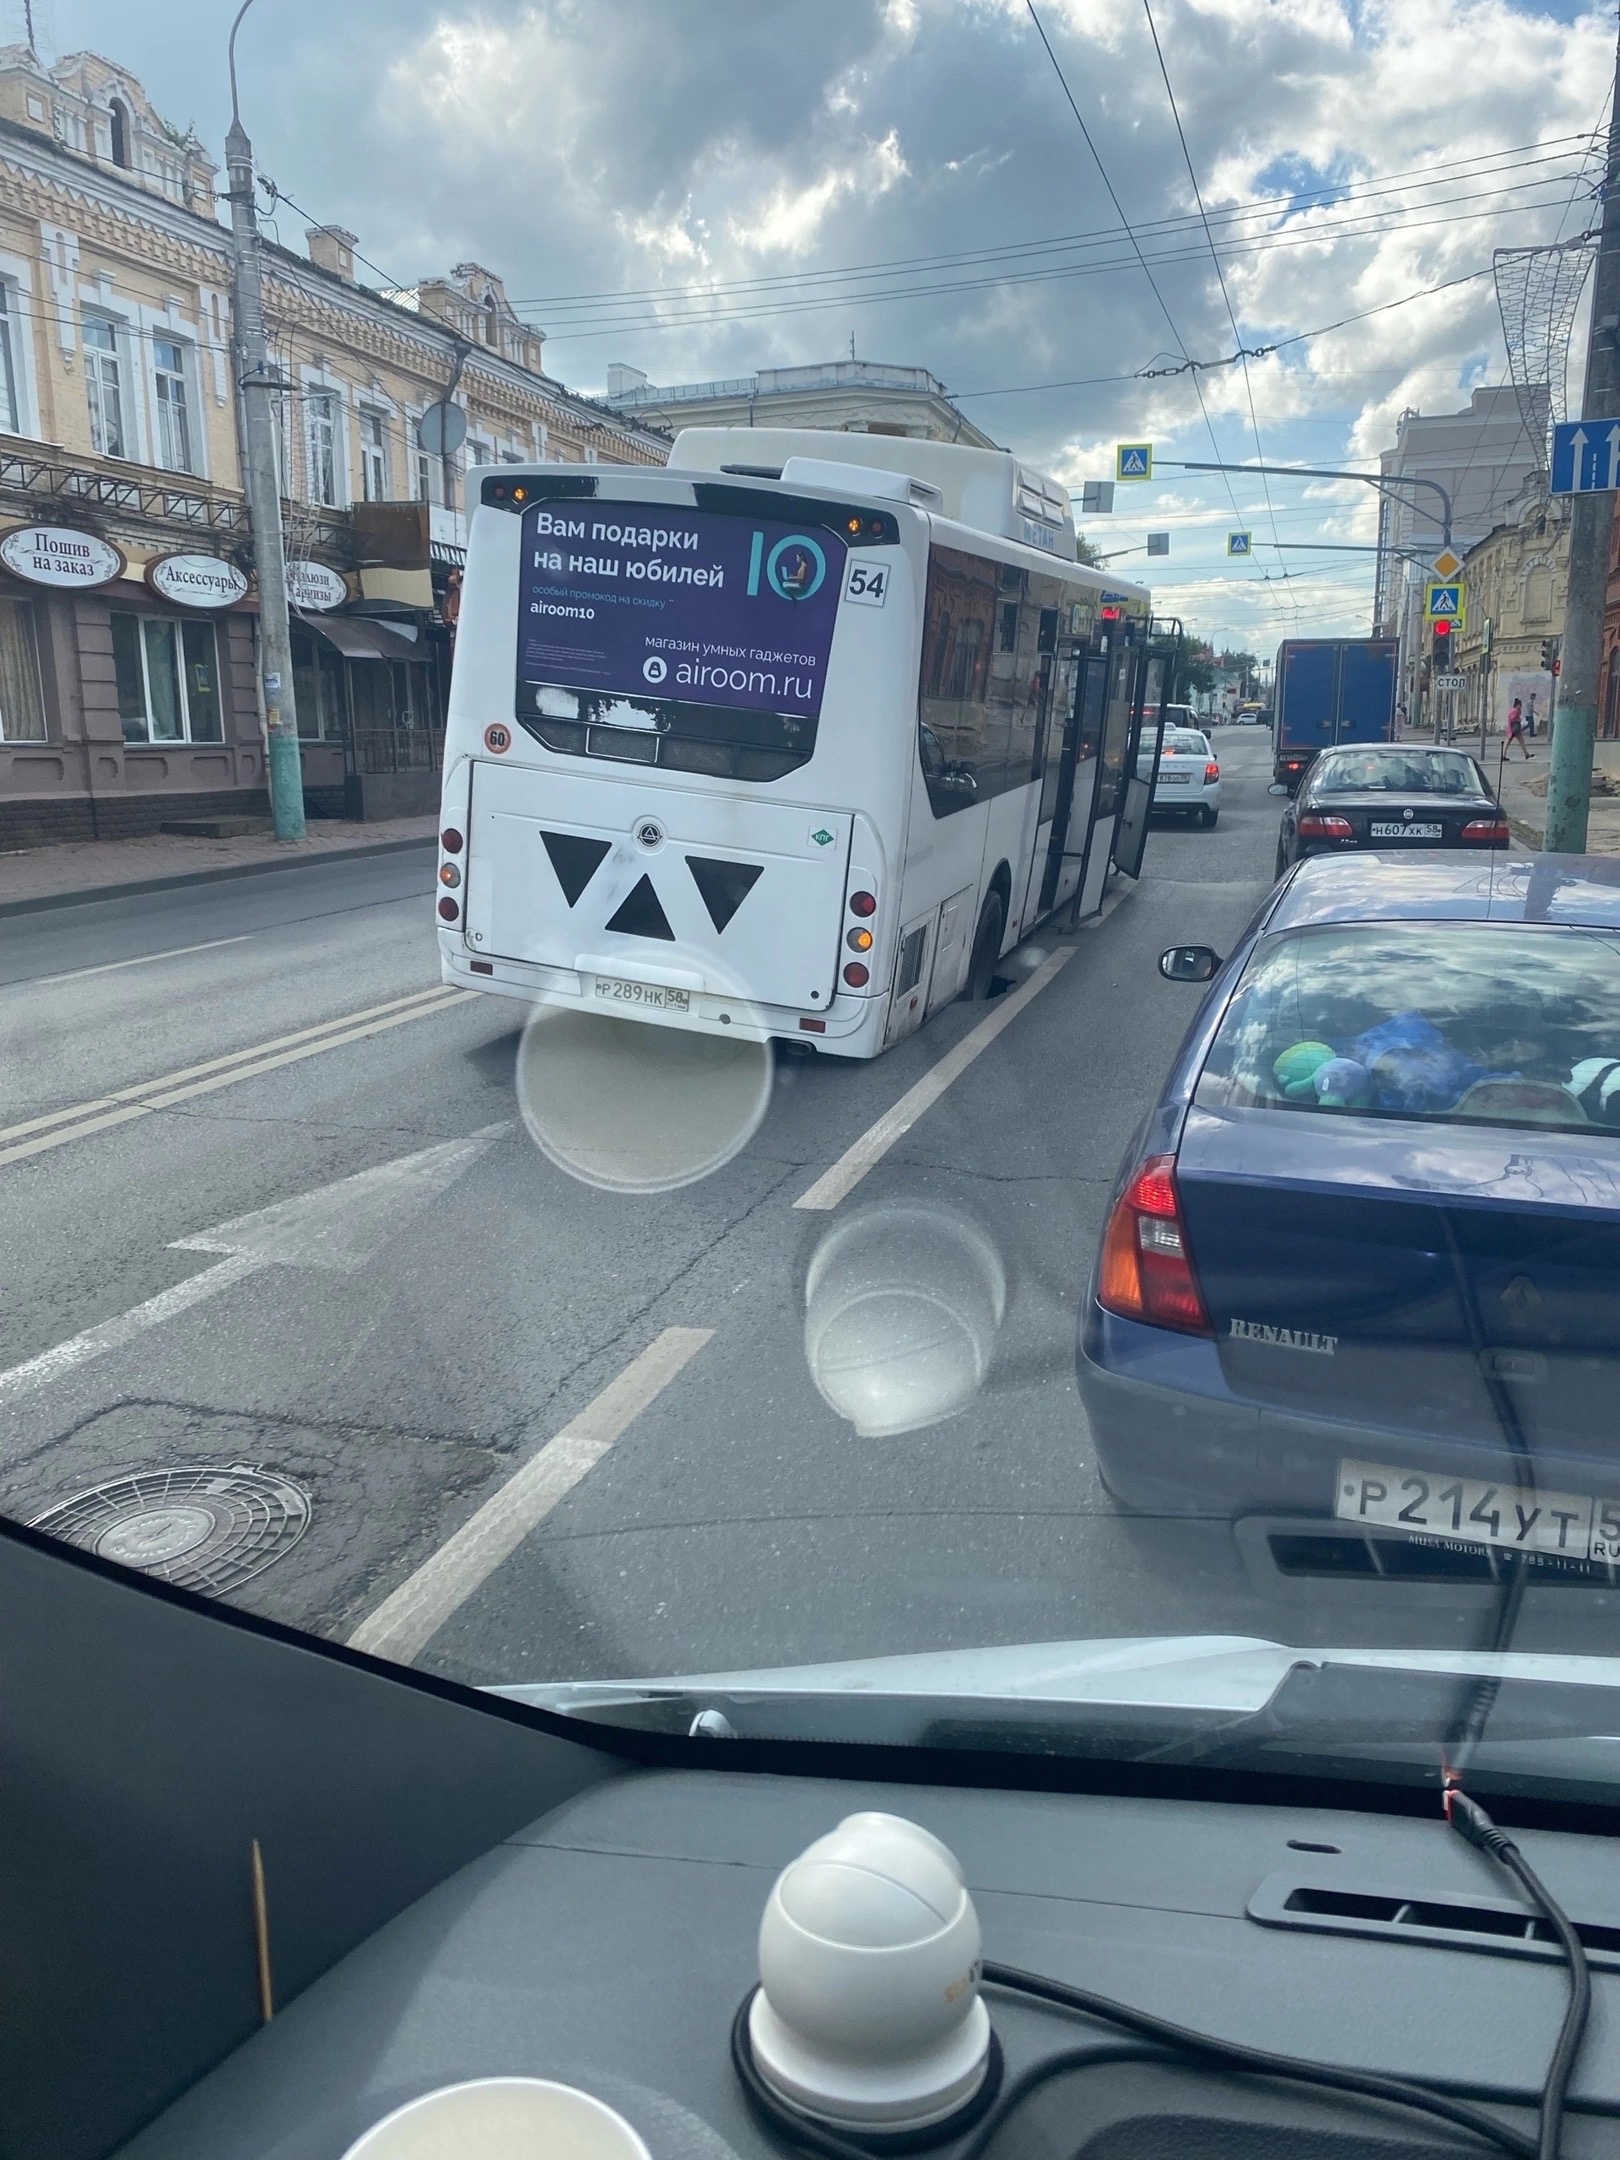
{"x":1442,"y":645}
{"x":1549,"y":655}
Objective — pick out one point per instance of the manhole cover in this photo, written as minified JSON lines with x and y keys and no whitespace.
{"x":199,"y":1526}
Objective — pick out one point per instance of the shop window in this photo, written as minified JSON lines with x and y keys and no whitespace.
{"x":322,"y":416}
{"x":317,"y":688}
{"x":173,"y":405}
{"x":10,"y":406}
{"x":104,"y":387}
{"x":168,"y":679}
{"x":22,"y":709}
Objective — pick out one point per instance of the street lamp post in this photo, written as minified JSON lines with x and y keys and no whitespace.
{"x":256,"y":384}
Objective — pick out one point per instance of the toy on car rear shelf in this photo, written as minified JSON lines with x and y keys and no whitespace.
{"x":1595,"y":1085}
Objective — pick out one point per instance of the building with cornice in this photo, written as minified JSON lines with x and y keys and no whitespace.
{"x":128,"y":695}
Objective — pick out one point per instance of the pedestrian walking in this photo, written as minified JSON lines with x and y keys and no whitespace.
{"x":1400,"y":719}
{"x":1515,"y":731}
{"x":1530,"y":717}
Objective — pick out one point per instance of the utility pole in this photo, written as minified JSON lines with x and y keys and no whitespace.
{"x":1569,"y":783}
{"x":256,"y":384}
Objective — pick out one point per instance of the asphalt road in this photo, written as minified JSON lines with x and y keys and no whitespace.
{"x":549,"y":1431}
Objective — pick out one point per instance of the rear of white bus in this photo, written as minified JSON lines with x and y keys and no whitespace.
{"x":679,"y":752}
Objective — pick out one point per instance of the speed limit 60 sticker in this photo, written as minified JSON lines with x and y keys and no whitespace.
{"x":497,"y":737}
{"x":866,"y":582}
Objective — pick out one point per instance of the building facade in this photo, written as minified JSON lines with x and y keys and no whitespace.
{"x":863,"y":397}
{"x":1484,"y":457}
{"x":1517,"y":581}
{"x":128,"y":685}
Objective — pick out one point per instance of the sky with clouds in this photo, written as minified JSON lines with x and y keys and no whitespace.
{"x":704,"y":187}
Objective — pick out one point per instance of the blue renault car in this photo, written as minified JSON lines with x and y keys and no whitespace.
{"x":1363,"y":1259}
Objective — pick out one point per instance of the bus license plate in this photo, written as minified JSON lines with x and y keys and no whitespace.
{"x":1409,"y":832}
{"x":657,"y":995}
{"x":1468,"y":1511}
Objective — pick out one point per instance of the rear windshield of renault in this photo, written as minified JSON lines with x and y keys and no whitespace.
{"x":692,"y":639}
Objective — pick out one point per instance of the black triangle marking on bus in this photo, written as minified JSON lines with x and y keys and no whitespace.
{"x":640,"y":915}
{"x":575,"y":860}
{"x":724,"y":885}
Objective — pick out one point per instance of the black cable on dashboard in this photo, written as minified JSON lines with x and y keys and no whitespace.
{"x":1260,"y":2062}
{"x":1470,"y":1820}
{"x":1168,"y":2042}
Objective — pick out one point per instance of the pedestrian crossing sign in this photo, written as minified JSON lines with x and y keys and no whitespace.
{"x":1133,"y":461}
{"x":1240,"y":543}
{"x":1443,"y":602}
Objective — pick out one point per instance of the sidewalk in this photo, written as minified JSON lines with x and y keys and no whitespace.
{"x":1524,"y":788}
{"x":1524,"y":794}
{"x":47,"y":877}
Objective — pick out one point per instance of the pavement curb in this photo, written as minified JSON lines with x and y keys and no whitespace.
{"x":87,"y":895}
{"x":1529,"y":836}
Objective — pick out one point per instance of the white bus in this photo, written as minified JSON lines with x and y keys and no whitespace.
{"x":792,"y":738}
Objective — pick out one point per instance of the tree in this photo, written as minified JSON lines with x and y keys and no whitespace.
{"x":1197,"y":672}
{"x":1085,"y":552}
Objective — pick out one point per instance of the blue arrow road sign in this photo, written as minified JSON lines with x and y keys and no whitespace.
{"x":1586,"y":457}
{"x":1133,"y":461}
{"x":1239,"y":543}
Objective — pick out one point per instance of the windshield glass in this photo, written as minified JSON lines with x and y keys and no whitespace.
{"x":692,"y":1000}
{"x":1404,"y":772}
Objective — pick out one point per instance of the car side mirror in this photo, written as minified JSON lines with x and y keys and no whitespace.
{"x":1189,"y":963}
{"x":1276,"y":788}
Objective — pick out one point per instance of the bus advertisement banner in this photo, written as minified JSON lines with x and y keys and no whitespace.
{"x":653,"y":603}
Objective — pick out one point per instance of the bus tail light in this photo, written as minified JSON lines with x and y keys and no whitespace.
{"x":1147,"y":1271}
{"x":1314,"y":827}
{"x":863,"y":903}
{"x":859,"y":941}
{"x":1487,"y":832}
{"x":813,"y":1027}
{"x":857,"y":975}
{"x":448,"y":910}
{"x":449,"y":875}
{"x":451,"y":841}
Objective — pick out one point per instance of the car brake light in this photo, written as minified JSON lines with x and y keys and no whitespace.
{"x":1212,"y":771}
{"x":1487,"y":832}
{"x":1313,"y":827}
{"x":1147,"y":1271}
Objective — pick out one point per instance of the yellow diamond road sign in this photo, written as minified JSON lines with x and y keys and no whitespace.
{"x":1447,"y":563}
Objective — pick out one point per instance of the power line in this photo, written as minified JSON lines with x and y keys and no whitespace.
{"x":1220,"y":275}
{"x":1482,"y":166}
{"x":1362,"y":228}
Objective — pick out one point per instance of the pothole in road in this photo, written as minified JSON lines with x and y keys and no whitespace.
{"x":196,"y":1525}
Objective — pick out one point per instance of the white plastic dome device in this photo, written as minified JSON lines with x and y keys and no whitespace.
{"x":868,"y":2013}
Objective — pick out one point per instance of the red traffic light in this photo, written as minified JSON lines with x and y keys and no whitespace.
{"x":1442,"y":631}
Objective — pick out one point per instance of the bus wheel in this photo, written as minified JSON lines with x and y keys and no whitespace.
{"x":986,"y":949}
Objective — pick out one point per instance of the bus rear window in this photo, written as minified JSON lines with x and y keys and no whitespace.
{"x":690,"y":639}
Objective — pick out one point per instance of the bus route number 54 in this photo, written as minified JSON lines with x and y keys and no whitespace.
{"x":868,"y":583}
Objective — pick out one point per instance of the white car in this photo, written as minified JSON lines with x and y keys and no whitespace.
{"x":1189,"y":777}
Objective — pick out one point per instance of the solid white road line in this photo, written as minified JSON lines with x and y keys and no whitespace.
{"x":111,"y":967}
{"x":94,"y":1342}
{"x":409,"y":1617}
{"x":244,"y":1065}
{"x":846,"y":1173}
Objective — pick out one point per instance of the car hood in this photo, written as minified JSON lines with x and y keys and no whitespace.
{"x":1231,"y":1674}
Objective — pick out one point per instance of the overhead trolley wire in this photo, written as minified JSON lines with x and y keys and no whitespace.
{"x":1214,"y":256}
{"x":1470,"y":170}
